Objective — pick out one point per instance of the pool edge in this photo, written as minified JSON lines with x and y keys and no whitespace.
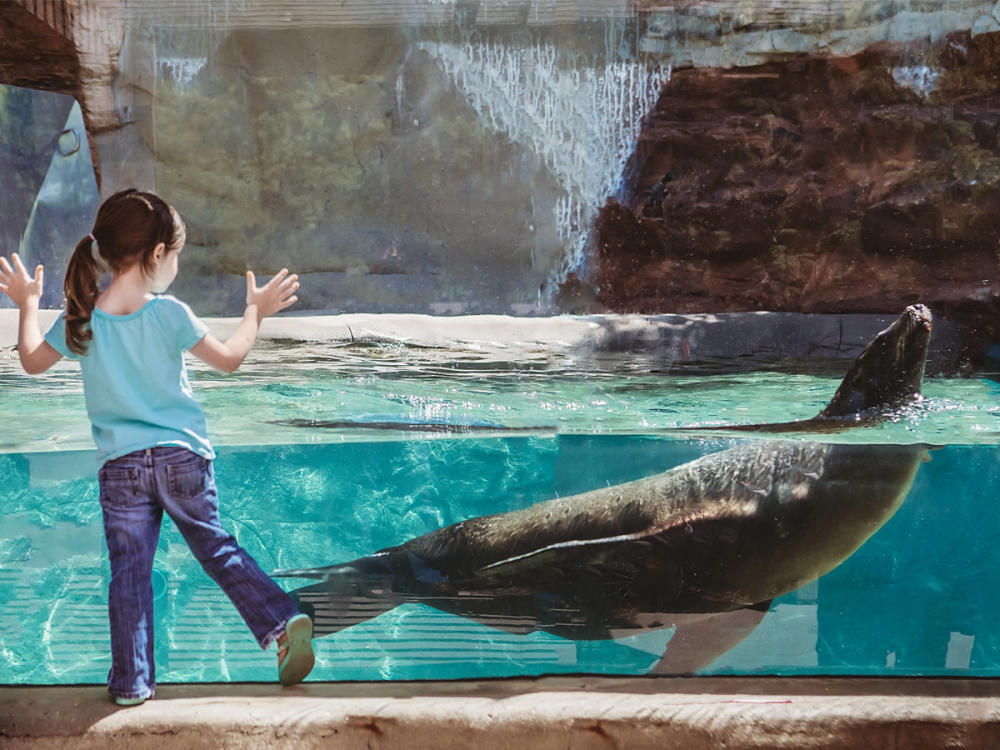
{"x":541,"y":713}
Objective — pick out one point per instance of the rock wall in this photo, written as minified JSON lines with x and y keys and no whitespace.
{"x":817,"y":184}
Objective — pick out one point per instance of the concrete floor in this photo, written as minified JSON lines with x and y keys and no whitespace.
{"x":568,"y":713}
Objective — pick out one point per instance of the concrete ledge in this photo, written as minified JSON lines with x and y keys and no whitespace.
{"x":568,"y":713}
{"x":671,"y":338}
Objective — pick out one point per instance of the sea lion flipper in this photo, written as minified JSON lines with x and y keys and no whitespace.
{"x":334,"y":608}
{"x":372,"y":565}
{"x":696,"y":644}
{"x":317,"y":573}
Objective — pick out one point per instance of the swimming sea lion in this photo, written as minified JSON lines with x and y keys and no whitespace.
{"x":886,"y":375}
{"x":723,"y":534}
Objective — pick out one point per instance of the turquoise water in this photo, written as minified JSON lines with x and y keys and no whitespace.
{"x":329,"y":453}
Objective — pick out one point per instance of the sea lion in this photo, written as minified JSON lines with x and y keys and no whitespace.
{"x":728,"y":531}
{"x":887,"y":375}
{"x":714,"y":539}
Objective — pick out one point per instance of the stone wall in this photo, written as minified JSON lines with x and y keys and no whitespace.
{"x":348,"y":157}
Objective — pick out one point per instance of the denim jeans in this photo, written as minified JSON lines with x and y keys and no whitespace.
{"x":135,"y":490}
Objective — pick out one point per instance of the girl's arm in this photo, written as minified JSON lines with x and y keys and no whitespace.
{"x":35,"y":353}
{"x":274,"y":296}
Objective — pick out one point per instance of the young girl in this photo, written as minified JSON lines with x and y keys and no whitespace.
{"x":151,"y":439}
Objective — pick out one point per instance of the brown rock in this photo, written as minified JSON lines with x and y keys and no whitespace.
{"x":818,"y":184}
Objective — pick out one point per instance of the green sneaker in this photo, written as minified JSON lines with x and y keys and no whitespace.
{"x":119,"y":700}
{"x":295,"y":651}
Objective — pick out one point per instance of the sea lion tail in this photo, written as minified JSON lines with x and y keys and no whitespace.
{"x":347,"y":594}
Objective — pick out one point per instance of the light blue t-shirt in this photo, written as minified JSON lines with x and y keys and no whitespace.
{"x":135,"y":382}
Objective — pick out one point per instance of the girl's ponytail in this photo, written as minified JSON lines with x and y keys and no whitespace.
{"x":80,"y":286}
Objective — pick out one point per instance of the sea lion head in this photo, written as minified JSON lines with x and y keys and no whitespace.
{"x":889,"y":371}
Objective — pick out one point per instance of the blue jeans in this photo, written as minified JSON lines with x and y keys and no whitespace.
{"x":135,"y":490}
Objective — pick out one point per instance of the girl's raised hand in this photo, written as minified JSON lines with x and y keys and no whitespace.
{"x":18,"y":285}
{"x":275,"y":295}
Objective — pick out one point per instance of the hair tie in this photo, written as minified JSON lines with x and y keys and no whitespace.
{"x":95,"y":253}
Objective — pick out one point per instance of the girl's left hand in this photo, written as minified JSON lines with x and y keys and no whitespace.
{"x":18,"y":285}
{"x":275,"y":295}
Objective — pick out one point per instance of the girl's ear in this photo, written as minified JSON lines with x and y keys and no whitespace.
{"x":159,"y":251}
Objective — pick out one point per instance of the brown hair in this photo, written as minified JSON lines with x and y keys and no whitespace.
{"x":129,"y":226}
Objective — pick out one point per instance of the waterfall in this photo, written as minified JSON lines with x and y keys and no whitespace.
{"x":582,"y":120}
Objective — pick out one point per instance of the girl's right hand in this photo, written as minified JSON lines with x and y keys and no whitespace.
{"x":275,"y":295}
{"x":18,"y":285}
